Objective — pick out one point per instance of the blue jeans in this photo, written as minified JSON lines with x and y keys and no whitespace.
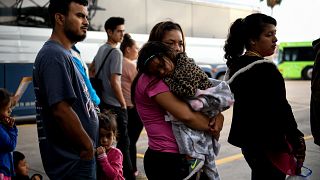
{"x":84,"y":170}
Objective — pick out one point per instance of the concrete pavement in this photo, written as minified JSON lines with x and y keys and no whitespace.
{"x":230,"y":162}
{"x":231,"y":167}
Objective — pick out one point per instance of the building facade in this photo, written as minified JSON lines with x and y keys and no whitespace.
{"x":198,"y":19}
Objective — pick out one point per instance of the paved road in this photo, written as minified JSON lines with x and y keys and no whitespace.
{"x":231,"y":164}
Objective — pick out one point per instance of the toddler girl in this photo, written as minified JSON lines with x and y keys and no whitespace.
{"x":109,"y":158}
{"x":8,"y":136}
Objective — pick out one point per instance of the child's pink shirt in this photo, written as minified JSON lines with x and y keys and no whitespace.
{"x":111,"y":165}
{"x":160,"y":134}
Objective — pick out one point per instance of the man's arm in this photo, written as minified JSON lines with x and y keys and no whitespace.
{"x":115,"y":82}
{"x":72,"y":127}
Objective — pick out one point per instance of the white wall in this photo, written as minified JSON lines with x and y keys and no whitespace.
{"x":197,"y":19}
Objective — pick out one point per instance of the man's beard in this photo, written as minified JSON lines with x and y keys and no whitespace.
{"x":72,"y":36}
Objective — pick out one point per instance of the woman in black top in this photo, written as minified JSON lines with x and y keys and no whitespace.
{"x":263,"y":124}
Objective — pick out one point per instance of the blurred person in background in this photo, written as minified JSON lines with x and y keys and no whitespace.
{"x":130,"y":51}
{"x":112,"y":96}
{"x":315,"y":95}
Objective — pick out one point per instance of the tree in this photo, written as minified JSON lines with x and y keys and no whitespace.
{"x":272,"y":3}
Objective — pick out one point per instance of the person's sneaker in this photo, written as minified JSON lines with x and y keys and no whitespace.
{"x":194,"y":166}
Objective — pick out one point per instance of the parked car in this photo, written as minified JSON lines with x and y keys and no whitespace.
{"x":216,"y":71}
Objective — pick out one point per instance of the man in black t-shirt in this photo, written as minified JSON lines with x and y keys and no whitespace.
{"x":315,"y":95}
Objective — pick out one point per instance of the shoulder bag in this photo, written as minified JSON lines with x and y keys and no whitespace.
{"x":95,"y":81}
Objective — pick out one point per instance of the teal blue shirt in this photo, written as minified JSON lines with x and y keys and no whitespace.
{"x":93,"y":95}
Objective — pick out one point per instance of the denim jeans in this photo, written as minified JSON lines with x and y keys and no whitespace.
{"x":84,"y":170}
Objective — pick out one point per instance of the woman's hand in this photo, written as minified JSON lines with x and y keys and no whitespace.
{"x":299,"y":151}
{"x":216,"y":125}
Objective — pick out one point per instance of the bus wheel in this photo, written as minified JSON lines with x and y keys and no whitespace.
{"x":307,"y":73}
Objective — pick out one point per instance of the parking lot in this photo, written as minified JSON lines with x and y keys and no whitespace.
{"x":231,"y":164}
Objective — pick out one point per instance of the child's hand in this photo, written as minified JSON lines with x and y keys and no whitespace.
{"x":100,"y":150}
{"x":8,"y":121}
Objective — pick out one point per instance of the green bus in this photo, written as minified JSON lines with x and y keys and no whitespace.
{"x":295,"y":60}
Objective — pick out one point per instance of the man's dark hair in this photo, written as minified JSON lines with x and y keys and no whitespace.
{"x":62,"y":6}
{"x":113,"y":22}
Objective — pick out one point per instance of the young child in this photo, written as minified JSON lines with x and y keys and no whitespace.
{"x":109,"y":158}
{"x":8,"y":135}
{"x":21,"y":168}
{"x":189,"y":82}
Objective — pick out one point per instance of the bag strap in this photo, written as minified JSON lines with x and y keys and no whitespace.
{"x":105,"y":59}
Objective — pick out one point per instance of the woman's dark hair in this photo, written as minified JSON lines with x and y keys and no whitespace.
{"x":242,"y":31}
{"x":126,"y":42}
{"x":158,"y":31}
{"x":149,"y":51}
{"x":4,"y":98}
{"x":107,"y":121}
{"x":58,"y":6}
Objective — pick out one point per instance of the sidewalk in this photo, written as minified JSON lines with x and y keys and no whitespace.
{"x":232,"y":170}
{"x":313,"y":159}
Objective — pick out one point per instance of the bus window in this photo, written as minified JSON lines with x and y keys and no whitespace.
{"x":298,"y":54}
{"x":296,"y":60}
